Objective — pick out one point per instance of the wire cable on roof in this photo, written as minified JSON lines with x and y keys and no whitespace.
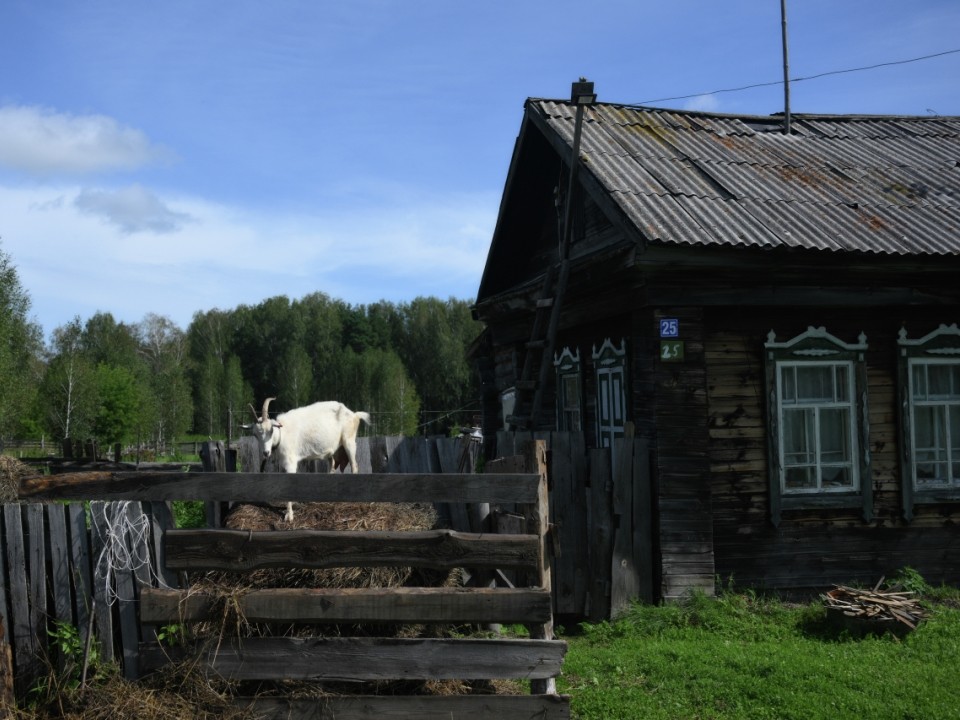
{"x":799,"y":79}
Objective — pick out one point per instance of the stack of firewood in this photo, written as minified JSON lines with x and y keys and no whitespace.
{"x":881,"y":606}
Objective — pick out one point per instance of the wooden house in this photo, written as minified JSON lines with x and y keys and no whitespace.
{"x":775,"y":312}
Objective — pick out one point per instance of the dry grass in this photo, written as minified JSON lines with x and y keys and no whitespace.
{"x":11,"y":470}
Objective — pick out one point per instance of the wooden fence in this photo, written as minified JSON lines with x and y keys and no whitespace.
{"x":58,"y":566}
{"x":526,"y":555}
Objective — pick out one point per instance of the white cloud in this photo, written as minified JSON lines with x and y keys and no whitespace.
{"x":703,"y":103}
{"x":148,"y":258}
{"x":45,"y":143}
{"x":132,"y":209}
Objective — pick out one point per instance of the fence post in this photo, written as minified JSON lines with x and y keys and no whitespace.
{"x":538,"y":523}
{"x":214,"y":459}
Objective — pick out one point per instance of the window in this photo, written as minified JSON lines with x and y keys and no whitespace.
{"x":610,"y":363}
{"x":817,"y":423}
{"x":929,"y":370}
{"x":569,"y":412}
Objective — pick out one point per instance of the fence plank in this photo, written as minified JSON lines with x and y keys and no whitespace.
{"x":36,"y":547}
{"x":625,"y":581}
{"x":269,"y":487}
{"x":59,"y":549}
{"x":364,"y":605}
{"x":5,"y":590}
{"x":25,"y":649}
{"x":135,"y":571}
{"x":358,"y":658}
{"x":430,"y":707}
{"x":568,"y":502}
{"x":600,"y":536}
{"x":100,"y":579}
{"x":161,"y":520}
{"x":643,"y":519}
{"x":240,"y":550}
{"x":80,"y":565}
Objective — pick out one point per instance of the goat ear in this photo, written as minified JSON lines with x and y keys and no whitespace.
{"x":277,"y":424}
{"x":246,"y":427}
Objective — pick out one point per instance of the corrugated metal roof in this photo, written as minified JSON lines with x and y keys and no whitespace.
{"x":887,"y":185}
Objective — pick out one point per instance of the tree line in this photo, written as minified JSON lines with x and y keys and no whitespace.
{"x":153,"y":383}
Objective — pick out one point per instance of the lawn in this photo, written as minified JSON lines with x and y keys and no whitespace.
{"x":744,"y":656}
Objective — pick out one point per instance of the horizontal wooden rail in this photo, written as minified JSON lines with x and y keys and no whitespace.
{"x":421,"y":707}
{"x":270,"y":487}
{"x":373,"y":605}
{"x":241,"y":550}
{"x":359,"y":659}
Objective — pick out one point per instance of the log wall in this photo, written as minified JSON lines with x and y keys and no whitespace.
{"x":814,"y":548}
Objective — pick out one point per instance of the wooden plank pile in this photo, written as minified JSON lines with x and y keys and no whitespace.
{"x":882,"y":607}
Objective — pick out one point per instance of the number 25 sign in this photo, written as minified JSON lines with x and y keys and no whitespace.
{"x":671,"y":350}
{"x":669,"y":327}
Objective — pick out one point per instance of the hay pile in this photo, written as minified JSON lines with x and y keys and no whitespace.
{"x":406,"y":517}
{"x":228,"y":588}
{"x":11,"y":470}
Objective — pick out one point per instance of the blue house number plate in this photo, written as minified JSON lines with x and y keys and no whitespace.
{"x":669,"y":327}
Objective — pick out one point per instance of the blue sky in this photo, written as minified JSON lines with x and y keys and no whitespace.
{"x":182,"y":156}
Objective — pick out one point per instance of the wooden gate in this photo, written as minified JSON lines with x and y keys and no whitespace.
{"x":537,"y":659}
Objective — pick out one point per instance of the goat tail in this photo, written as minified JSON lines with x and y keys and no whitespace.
{"x":365,"y":416}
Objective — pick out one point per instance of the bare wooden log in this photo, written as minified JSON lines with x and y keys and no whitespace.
{"x":373,"y":605}
{"x":429,"y":707}
{"x":298,"y":487}
{"x":358,"y":659}
{"x":240,"y":550}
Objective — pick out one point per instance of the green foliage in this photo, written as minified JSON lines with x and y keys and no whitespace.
{"x":172,"y":635}
{"x":911,"y":581}
{"x":189,"y":514}
{"x":746,"y":656}
{"x":117,"y":412}
{"x":151,"y":383}
{"x":20,"y":351}
{"x":67,"y":665}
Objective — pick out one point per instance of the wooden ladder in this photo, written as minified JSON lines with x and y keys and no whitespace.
{"x":539,"y":349}
{"x":528,"y":395}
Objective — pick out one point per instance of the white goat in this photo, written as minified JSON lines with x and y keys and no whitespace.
{"x":312,"y":432}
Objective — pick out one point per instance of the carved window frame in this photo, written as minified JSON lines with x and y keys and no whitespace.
{"x":939,"y":347}
{"x":610,"y":371}
{"x":569,"y":390}
{"x":816,"y":346}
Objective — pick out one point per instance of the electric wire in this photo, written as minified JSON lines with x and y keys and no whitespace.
{"x":800,"y":79}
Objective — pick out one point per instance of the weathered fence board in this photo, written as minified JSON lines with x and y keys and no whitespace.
{"x":59,"y":563}
{"x":24,"y":637}
{"x":600,"y":535}
{"x":439,"y":707}
{"x":36,"y":573}
{"x":361,"y":605}
{"x":80,"y":569}
{"x":361,"y":658}
{"x":241,"y":550}
{"x":268,"y":487}
{"x":568,"y":496}
{"x":101,"y":600}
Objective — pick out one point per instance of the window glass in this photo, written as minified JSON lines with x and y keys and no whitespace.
{"x":936,"y":422}
{"x":816,"y":427}
{"x":817,"y":423}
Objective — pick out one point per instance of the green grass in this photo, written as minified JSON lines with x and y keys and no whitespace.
{"x":742,"y":656}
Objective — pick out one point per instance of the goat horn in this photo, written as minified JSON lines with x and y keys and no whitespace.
{"x":266,"y":405}
{"x":256,"y":417}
